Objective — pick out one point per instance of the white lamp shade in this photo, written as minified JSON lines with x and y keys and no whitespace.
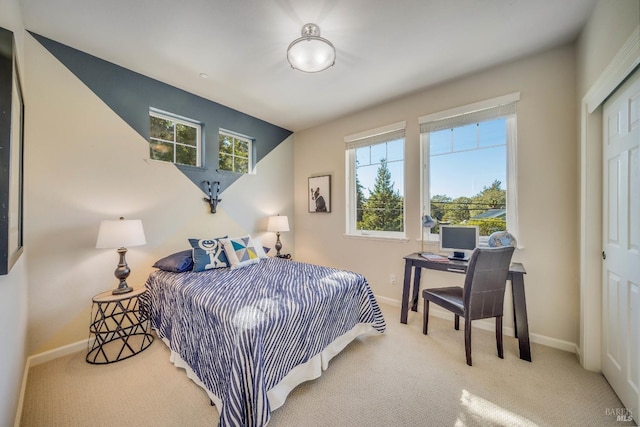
{"x":120,"y":233}
{"x":278,"y":223}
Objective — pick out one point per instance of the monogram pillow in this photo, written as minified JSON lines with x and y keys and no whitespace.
{"x":208,"y":254}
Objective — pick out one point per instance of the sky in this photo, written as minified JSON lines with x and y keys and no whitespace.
{"x":463,"y":161}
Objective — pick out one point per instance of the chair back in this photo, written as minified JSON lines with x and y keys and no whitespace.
{"x":485,"y":282}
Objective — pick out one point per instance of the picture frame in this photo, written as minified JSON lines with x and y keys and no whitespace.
{"x":319,"y":193}
{"x":11,"y":155}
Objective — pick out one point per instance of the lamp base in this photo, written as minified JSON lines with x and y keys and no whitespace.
{"x":121,"y":273}
{"x":122,"y":289}
{"x":278,"y":244}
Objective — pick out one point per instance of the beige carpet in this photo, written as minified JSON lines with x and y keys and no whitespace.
{"x":401,"y":378}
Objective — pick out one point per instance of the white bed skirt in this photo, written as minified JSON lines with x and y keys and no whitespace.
{"x":301,"y":373}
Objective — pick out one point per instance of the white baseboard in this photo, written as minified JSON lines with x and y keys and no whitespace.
{"x":490,"y":325}
{"x":387,"y":300}
{"x":43,"y":357}
{"x":40,"y":358}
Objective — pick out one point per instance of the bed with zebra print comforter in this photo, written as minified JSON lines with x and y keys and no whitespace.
{"x":249,"y":336}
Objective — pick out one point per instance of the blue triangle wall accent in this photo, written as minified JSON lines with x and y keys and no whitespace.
{"x":130,"y":95}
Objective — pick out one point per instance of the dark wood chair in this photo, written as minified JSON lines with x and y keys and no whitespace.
{"x":482,"y":296}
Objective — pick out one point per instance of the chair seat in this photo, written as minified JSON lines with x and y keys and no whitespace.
{"x":449,"y":298}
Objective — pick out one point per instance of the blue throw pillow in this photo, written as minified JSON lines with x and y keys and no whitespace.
{"x":208,"y":254}
{"x":176,"y":263}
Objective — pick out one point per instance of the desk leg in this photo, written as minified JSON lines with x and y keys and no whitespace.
{"x":521,"y":322}
{"x":515,"y":315}
{"x":405,"y":291}
{"x":417,"y":271}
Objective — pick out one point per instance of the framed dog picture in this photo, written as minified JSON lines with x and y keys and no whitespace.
{"x":319,"y":193}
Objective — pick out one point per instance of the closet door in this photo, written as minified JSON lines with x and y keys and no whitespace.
{"x":621,"y":241}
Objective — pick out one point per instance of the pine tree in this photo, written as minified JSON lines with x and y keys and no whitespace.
{"x":360,"y":200}
{"x":384,"y":209}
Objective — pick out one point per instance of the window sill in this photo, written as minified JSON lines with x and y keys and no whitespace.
{"x":376,"y":237}
{"x":171,"y":164}
{"x":234,"y":173}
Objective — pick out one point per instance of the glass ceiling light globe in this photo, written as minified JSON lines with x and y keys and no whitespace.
{"x":311,"y":53}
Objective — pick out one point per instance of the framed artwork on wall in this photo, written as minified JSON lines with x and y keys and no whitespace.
{"x":11,"y":155}
{"x":320,"y":193}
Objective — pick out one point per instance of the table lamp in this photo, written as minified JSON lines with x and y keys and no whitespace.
{"x":118,"y":234}
{"x":278,"y":223}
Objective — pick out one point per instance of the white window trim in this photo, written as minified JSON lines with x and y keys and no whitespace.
{"x":362,"y":139}
{"x":512,"y":160}
{"x":248,"y":139}
{"x":184,"y":121}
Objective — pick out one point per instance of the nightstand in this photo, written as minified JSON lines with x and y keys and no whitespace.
{"x":120,"y":326}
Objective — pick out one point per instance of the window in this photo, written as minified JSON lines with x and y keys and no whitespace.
{"x":469,"y":166}
{"x":174,"y":140}
{"x":375,"y":182}
{"x":235,"y":152}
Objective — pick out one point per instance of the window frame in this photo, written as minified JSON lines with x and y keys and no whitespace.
{"x":475,"y":109}
{"x":371,"y":137}
{"x":250,"y":153}
{"x":153,"y":112}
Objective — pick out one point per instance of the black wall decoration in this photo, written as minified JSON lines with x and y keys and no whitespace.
{"x":11,"y":154}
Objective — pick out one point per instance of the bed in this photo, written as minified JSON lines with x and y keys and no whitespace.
{"x":249,"y":336}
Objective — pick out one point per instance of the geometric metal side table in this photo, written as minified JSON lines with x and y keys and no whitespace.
{"x":120,"y":324}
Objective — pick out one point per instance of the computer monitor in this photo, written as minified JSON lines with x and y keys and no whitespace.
{"x":459,"y":239}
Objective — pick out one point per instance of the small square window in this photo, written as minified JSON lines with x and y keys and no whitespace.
{"x":174,"y":140}
{"x":235,"y":152}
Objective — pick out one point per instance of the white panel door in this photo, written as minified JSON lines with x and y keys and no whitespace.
{"x":621,"y":240}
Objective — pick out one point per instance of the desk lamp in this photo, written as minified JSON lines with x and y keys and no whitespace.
{"x":118,"y":234}
{"x":427,"y":222}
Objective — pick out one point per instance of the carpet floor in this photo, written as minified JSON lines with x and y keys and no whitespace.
{"x":400,"y":378}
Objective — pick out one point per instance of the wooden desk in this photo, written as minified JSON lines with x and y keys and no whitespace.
{"x":414,"y":263}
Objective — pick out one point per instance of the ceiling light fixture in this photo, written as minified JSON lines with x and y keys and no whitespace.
{"x":311,"y":53}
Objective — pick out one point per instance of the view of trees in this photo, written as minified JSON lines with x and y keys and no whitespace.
{"x":462,"y":209}
{"x":234,"y":153}
{"x":383,"y":210}
{"x":172,"y":142}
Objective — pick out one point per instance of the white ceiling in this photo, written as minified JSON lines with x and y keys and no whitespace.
{"x":385,"y":49}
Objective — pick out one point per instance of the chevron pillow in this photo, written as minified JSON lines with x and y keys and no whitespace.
{"x":240,"y":251}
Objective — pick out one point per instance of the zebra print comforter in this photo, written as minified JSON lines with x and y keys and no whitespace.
{"x":242,"y":331}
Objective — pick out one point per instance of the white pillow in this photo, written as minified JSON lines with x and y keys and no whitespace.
{"x":240,"y":251}
{"x":259,"y":248}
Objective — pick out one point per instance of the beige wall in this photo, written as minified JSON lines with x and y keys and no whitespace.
{"x":547,"y":182}
{"x":84,"y":164}
{"x":609,"y":26}
{"x":13,"y":286}
{"x":600,"y":47}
